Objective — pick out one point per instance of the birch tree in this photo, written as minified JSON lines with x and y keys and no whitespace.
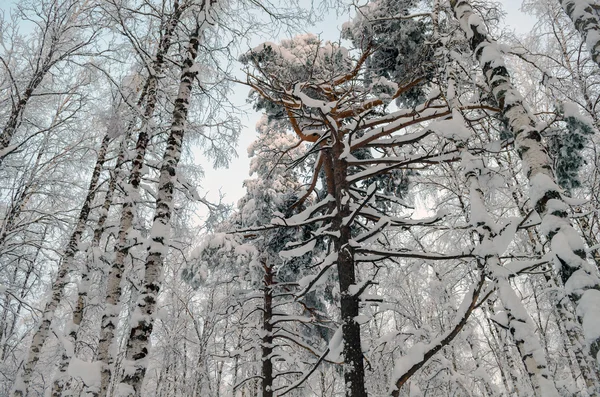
{"x":148,"y":100}
{"x":143,"y":317}
{"x":60,"y":35}
{"x":580,"y":280}
{"x":584,"y":15}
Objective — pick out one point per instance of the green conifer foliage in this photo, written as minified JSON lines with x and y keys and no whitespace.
{"x":566,"y":146}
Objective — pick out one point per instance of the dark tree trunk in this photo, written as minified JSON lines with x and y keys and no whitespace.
{"x":337,"y":172}
{"x":267,"y":339}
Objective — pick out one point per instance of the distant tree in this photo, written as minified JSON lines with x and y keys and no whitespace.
{"x":62,"y":33}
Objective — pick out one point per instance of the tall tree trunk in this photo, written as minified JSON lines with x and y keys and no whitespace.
{"x":519,"y":323}
{"x":83,"y":289}
{"x":585,"y":15}
{"x":114,"y":289}
{"x":267,"y":339}
{"x":68,"y":351}
{"x":582,"y":285}
{"x":564,"y":316}
{"x":62,"y":380}
{"x":141,"y":329}
{"x":336,"y":172}
{"x":58,"y":286}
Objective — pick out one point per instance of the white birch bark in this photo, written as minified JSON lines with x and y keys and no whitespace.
{"x":585,"y":15}
{"x":581,"y":282}
{"x":565,"y":319}
{"x":62,"y":380}
{"x":142,"y":321}
{"x":61,"y":377}
{"x":519,"y":323}
{"x":114,"y":288}
{"x":58,"y":286}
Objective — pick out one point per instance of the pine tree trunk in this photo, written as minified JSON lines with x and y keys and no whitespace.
{"x":582,"y":285}
{"x":58,"y":286}
{"x":337,"y":170}
{"x":267,"y":339}
{"x":139,"y":337}
{"x":585,"y":15}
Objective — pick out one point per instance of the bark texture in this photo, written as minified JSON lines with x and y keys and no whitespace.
{"x":148,"y":99}
{"x":62,"y":378}
{"x":58,"y":286}
{"x":336,"y":170}
{"x":581,"y":283}
{"x":142,"y":324}
{"x":267,"y":339}
{"x":585,"y":15}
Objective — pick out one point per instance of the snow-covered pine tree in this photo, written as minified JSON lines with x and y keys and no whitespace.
{"x":340,"y":116}
{"x":289,"y":327}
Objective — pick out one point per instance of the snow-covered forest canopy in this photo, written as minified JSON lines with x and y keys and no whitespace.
{"x":420,"y":216}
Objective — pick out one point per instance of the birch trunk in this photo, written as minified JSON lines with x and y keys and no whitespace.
{"x":143,"y":318}
{"x":564,"y":316}
{"x":63,"y":381}
{"x":67,"y":351}
{"x":114,"y":290}
{"x":58,"y":286}
{"x":519,"y":323}
{"x":581,"y":282}
{"x":585,"y":15}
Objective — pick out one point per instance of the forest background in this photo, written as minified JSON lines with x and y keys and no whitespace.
{"x":417,"y":214}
